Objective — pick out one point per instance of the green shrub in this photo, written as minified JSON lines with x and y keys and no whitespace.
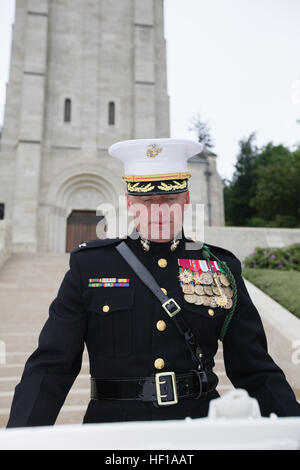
{"x":287,"y":258}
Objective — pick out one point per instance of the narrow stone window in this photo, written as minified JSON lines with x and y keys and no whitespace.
{"x":67,"y":110}
{"x":2,"y":205}
{"x":111,"y":113}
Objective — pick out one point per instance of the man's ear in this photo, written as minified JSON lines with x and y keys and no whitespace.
{"x":127,"y":200}
{"x":186,"y":202}
{"x":187,"y":197}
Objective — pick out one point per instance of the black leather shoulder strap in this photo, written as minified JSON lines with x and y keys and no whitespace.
{"x":141,"y":271}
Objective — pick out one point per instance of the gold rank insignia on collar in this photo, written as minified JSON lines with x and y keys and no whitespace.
{"x":146,"y":244}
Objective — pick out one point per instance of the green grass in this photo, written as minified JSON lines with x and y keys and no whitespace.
{"x":282,"y":286}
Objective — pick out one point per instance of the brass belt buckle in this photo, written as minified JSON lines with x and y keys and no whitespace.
{"x":171,"y":301}
{"x":158,"y":383}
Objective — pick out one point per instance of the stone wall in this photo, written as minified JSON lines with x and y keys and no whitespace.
{"x":5,"y":241}
{"x":243,"y":240}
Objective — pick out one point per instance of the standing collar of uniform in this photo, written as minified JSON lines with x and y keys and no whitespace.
{"x":157,"y":247}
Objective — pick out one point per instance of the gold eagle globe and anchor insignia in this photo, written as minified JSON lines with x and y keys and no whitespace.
{"x":153,"y":150}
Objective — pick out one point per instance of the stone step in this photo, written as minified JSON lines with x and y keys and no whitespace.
{"x":16,"y":369}
{"x":68,"y":415}
{"x":223,"y":379}
{"x":71,"y":415}
{"x":14,"y":337}
{"x":219,"y":356}
{"x":8,"y":383}
{"x":29,"y":308}
{"x":224,"y":389}
{"x":41,"y":258}
{"x":29,"y":282}
{"x":78,"y":396}
{"x":3,"y":418}
{"x":22,"y":356}
{"x":26,"y":347}
{"x":19,"y":328}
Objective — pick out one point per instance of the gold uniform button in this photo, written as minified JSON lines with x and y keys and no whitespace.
{"x":159,"y":363}
{"x":162,"y":262}
{"x":105,"y":308}
{"x":161,"y":325}
{"x":164,"y":290}
{"x":211,"y":312}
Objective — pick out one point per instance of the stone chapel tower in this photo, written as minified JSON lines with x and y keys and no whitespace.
{"x":84,"y":74}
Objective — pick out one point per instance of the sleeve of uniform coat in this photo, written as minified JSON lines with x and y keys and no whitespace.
{"x":52,"y":368}
{"x":247,"y":362}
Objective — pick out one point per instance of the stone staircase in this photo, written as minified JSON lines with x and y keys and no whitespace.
{"x":28,"y":284}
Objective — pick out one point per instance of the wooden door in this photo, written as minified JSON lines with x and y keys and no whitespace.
{"x":81,"y":228}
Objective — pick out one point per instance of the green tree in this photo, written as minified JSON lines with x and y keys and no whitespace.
{"x":277,"y":198}
{"x":270,"y":154}
{"x":202,"y":131}
{"x":241,"y":189}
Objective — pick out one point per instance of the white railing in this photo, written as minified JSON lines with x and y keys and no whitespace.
{"x":234,"y":422}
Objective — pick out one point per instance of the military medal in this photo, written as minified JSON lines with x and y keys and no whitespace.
{"x":228,"y":304}
{"x":206,"y":278}
{"x":216,"y":290}
{"x":186,"y":281}
{"x":206,"y":300}
{"x":213,"y":302}
{"x":204,"y":283}
{"x":185,"y":276}
{"x":208,"y":290}
{"x":224,"y":280}
{"x":190,"y":298}
{"x":228,"y":292}
{"x":221,"y":300}
{"x":199,"y":300}
{"x":199,"y":290}
{"x":188,"y":289}
{"x":197,"y":278}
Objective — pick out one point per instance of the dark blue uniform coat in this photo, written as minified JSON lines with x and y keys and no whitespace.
{"x":124,"y":342}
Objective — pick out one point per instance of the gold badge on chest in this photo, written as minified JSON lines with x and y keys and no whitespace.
{"x":204,"y":283}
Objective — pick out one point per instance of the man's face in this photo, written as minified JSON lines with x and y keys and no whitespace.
{"x":158,"y":217}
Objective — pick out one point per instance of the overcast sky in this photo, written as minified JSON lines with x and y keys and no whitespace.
{"x":236,"y":62}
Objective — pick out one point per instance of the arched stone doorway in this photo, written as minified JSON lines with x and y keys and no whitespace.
{"x":84,"y":190}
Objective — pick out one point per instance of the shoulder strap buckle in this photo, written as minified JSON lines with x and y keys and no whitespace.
{"x":171,"y":307}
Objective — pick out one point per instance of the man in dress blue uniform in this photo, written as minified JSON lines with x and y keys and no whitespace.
{"x":151,"y":349}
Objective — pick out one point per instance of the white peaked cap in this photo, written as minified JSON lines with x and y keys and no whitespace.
{"x":145,"y":157}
